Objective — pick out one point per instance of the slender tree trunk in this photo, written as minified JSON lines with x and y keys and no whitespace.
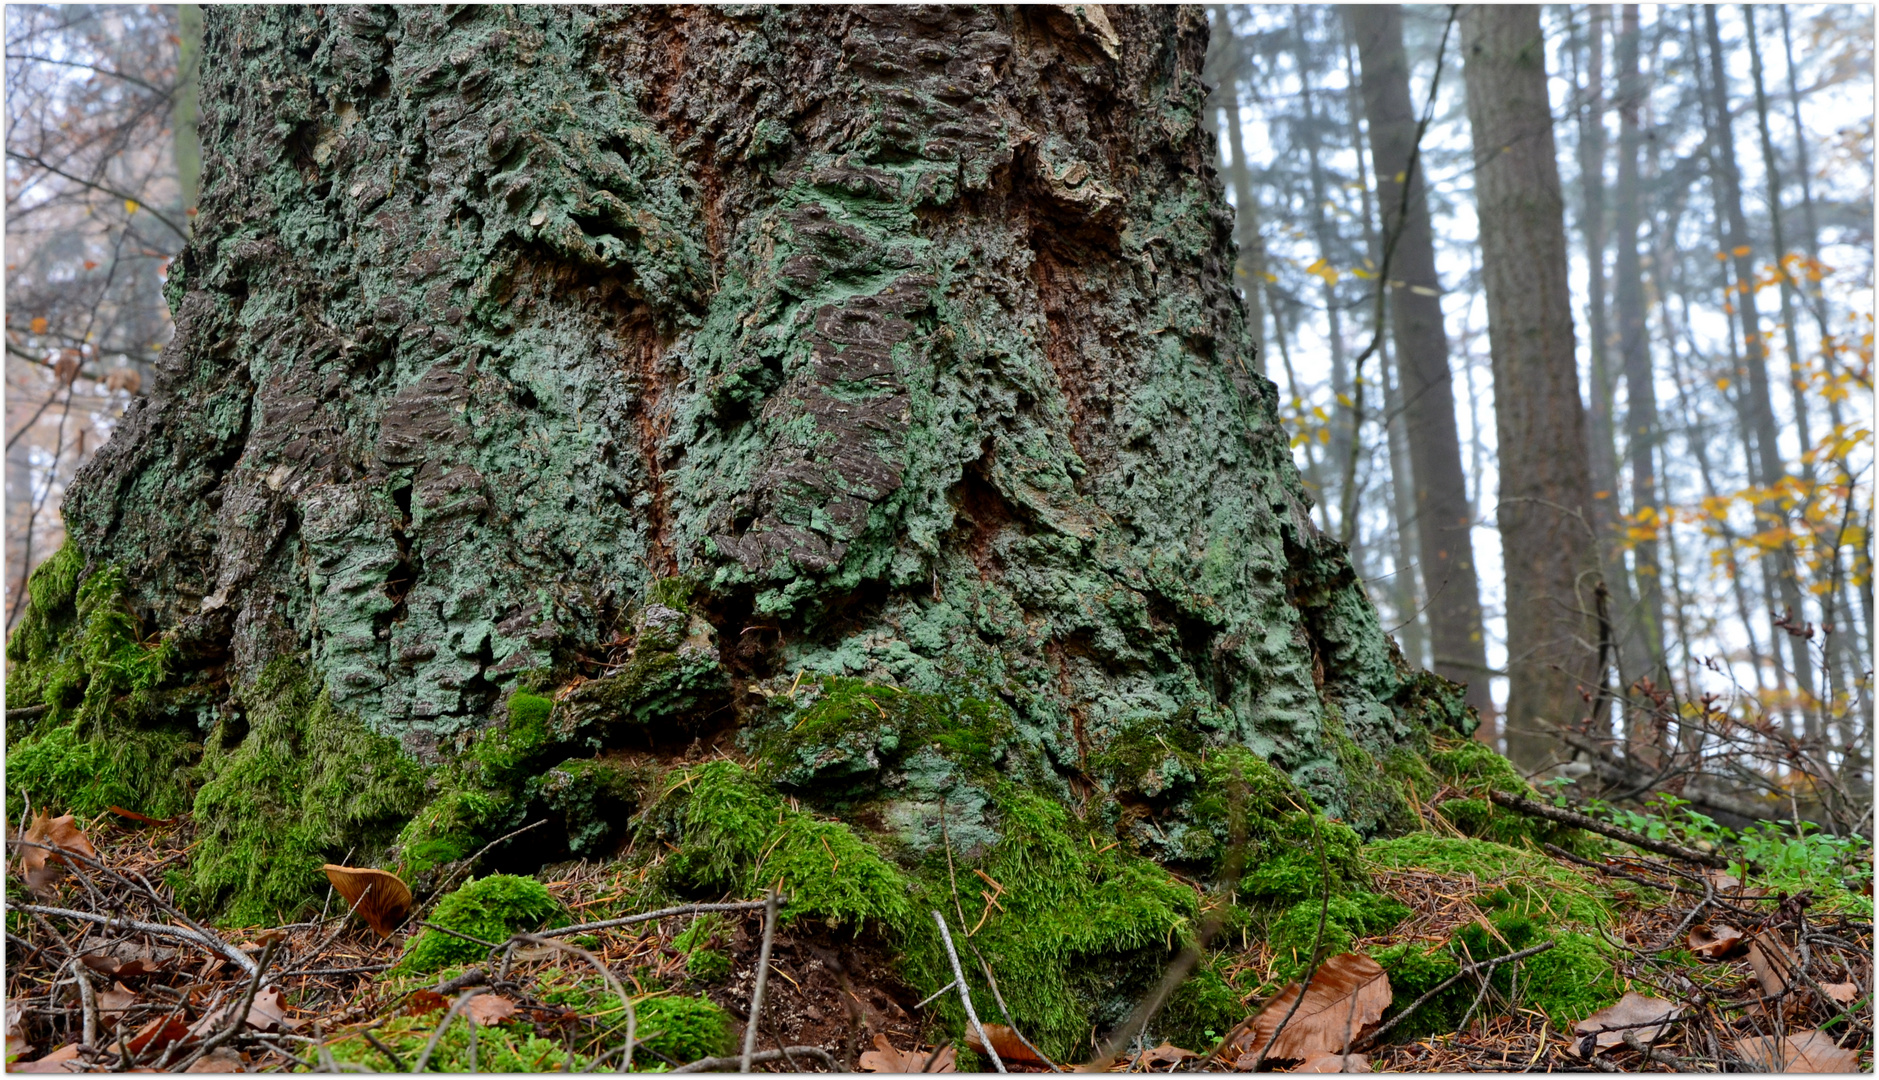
{"x":186,"y":140}
{"x":1779,"y":565}
{"x":1647,"y":618}
{"x":1250,"y":268}
{"x":1442,"y":520}
{"x":1545,"y":486}
{"x":1601,"y":456}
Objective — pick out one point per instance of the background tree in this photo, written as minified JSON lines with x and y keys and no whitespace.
{"x":1545,"y":490}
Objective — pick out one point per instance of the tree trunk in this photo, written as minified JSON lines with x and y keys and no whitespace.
{"x":1634,"y":348}
{"x":1765,"y":447}
{"x":687,"y":364}
{"x":1545,"y":488}
{"x":1250,"y":267}
{"x":1443,"y":524}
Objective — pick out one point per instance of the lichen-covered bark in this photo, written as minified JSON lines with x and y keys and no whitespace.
{"x":903,"y":337}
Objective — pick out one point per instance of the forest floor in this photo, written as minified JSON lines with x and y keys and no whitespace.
{"x":104,"y":974}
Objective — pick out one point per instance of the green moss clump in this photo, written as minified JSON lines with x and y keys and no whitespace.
{"x":839,"y":731}
{"x":1414,"y":970}
{"x":489,"y":909}
{"x":734,"y":834}
{"x":700,"y":942}
{"x":1473,"y":767}
{"x":1346,"y":918}
{"x":683,"y":1028}
{"x":301,"y":785}
{"x":1201,"y":1010}
{"x":502,"y":1048}
{"x":1533,"y":883}
{"x":108,"y":737}
{"x":593,"y":796}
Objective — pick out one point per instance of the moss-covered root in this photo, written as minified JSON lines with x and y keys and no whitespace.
{"x":485,"y":910}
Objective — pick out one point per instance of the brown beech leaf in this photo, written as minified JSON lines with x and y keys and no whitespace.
{"x":158,"y":1034}
{"x":1165,"y":1054}
{"x":1718,"y":942}
{"x":1802,"y":1052}
{"x":487,"y":1009}
{"x":269,"y":1012}
{"x":1348,"y":994}
{"x":383,"y":901}
{"x":1335,"y":1063}
{"x":135,"y":816}
{"x":884,"y":1058}
{"x":54,"y":1062}
{"x":1640,"y":1014}
{"x":128,"y":960}
{"x":422,"y":1001}
{"x":219,"y":1060}
{"x":42,"y":868}
{"x":1845,"y":993}
{"x":1011,"y":1049}
{"x":1772,"y":964}
{"x":116,"y":1001}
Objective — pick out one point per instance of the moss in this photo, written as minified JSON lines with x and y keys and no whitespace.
{"x":302,"y":785}
{"x":1473,"y":767}
{"x":1532,"y":882}
{"x":1201,"y":1010}
{"x":733,"y":834}
{"x":1346,"y":918}
{"x":1414,"y":970}
{"x":701,"y":944}
{"x":503,"y":1048}
{"x":594,"y":797}
{"x":489,"y":909}
{"x":110,"y":736}
{"x":683,"y":1028}
{"x":838,"y":731}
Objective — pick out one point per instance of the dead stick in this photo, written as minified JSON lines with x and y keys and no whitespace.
{"x":240,"y":958}
{"x":682,"y":909}
{"x":965,"y":994}
{"x":1591,"y":824}
{"x":1374,"y":1037}
{"x":716,"y":1064}
{"x":240,"y":1018}
{"x":763,"y":977}
{"x":992,"y":981}
{"x":88,"y":999}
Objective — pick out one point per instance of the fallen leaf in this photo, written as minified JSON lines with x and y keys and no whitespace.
{"x":1011,"y":1049}
{"x":55,"y":1062}
{"x":1845,"y":993}
{"x":1335,"y":1063}
{"x":1165,"y":1054}
{"x":487,"y":1009}
{"x":219,"y":1060}
{"x":128,"y":960}
{"x":1348,"y":994}
{"x":884,"y":1058}
{"x":1718,"y":942}
{"x":41,"y":867}
{"x":269,"y":1012}
{"x":1802,"y":1052}
{"x":1640,"y":1014}
{"x":422,"y":1001}
{"x":39,"y":324}
{"x":116,"y":1001}
{"x":158,"y":1034}
{"x":1721,"y":880}
{"x":380,"y":897}
{"x":118,"y":810}
{"x":1772,"y":964}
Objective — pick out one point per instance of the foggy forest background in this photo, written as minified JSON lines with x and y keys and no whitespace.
{"x":1733,"y":483}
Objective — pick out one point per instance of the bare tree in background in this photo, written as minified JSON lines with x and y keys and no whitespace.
{"x":99,"y":111}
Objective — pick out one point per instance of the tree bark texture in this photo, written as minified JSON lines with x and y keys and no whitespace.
{"x":1545,"y":489}
{"x":1442,"y":518}
{"x":904,"y":337}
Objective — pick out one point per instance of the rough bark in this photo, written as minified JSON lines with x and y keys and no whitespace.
{"x":902,"y":340}
{"x":1442,"y":518}
{"x":1545,"y":488}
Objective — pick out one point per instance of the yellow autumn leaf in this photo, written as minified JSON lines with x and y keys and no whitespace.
{"x":130,"y":206}
{"x":1740,"y":251}
{"x":39,"y":324}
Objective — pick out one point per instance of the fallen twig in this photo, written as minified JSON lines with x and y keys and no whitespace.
{"x":239,"y":1018}
{"x":763,"y":977}
{"x":1594,"y":825}
{"x":965,"y":994}
{"x":719,"y":1064}
{"x":682,"y":909}
{"x":992,"y":981}
{"x":156,"y":930}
